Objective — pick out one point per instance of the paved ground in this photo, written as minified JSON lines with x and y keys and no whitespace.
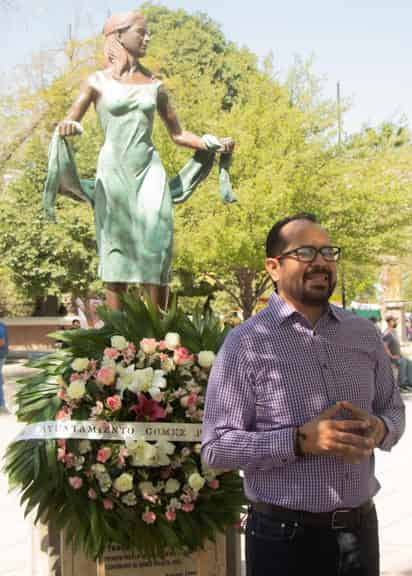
{"x":394,"y":501}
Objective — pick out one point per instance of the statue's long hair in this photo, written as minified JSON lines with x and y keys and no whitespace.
{"x":116,"y":56}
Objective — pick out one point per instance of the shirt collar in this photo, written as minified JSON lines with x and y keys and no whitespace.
{"x":281,"y":310}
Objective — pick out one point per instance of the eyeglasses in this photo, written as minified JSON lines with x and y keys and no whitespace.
{"x":309,"y":253}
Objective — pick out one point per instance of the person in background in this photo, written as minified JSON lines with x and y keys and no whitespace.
{"x":299,"y":398}
{"x":4,"y":348}
{"x":402,"y":366}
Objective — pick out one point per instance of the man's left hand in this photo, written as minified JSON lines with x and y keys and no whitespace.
{"x":376,"y":430}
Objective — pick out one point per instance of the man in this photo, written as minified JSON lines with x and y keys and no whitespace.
{"x":4,"y":347}
{"x":299,"y":397}
{"x":402,"y":366}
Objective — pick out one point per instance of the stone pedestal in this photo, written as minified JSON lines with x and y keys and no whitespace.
{"x":53,"y":556}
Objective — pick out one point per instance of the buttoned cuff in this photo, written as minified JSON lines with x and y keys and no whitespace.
{"x":390,"y":436}
{"x":283,"y":447}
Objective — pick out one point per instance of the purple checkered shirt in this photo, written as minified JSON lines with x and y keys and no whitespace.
{"x":276,"y":372}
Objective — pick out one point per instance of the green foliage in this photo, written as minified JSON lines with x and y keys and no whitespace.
{"x":285,"y":162}
{"x":33,"y":466}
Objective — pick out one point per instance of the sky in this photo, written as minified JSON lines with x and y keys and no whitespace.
{"x":365,"y":45}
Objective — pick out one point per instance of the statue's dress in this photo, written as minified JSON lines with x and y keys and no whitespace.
{"x":131,"y":196}
{"x":132,"y":202}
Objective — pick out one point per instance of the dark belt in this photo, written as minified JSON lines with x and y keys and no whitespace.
{"x":340,"y":519}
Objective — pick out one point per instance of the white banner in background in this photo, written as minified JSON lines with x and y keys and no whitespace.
{"x":101,"y":430}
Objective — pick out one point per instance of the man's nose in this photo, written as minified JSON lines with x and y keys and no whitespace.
{"x":319,"y":259}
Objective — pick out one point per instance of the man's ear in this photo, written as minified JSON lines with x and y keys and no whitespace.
{"x":272,"y":266}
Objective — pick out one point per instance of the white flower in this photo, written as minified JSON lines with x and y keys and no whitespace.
{"x":197,"y":449}
{"x":142,"y":453}
{"x":109,"y":363}
{"x":175,"y":503}
{"x":129,"y":499}
{"x":118,"y":342}
{"x":208,"y":473}
{"x":80,"y":364}
{"x":147,"y":488}
{"x":172,"y":486}
{"x":148,"y":380}
{"x":76,"y":389}
{"x":124,"y":483}
{"x":196,"y":481}
{"x":125,"y":378}
{"x":167,"y":364}
{"x":99,"y":469}
{"x":142,"y":380}
{"x":172,"y":340}
{"x":84,"y":446}
{"x":164,"y":449}
{"x":206,"y":358}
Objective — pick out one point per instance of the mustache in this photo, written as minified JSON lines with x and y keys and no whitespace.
{"x":315,"y":270}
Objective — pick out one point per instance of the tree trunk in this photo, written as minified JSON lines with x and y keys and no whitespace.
{"x":246,"y":278}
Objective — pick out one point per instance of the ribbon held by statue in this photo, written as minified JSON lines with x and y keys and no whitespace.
{"x":131,"y":196}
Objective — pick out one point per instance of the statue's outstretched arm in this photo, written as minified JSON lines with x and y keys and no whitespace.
{"x":79,"y":108}
{"x":178,"y":135}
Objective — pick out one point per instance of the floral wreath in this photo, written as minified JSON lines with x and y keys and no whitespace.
{"x":156,"y":497}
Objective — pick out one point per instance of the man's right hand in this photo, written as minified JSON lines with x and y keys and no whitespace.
{"x":327,"y":436}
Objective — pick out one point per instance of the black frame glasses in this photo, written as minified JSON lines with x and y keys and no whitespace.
{"x":308,"y":253}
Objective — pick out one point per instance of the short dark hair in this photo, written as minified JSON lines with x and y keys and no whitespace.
{"x":275,"y":242}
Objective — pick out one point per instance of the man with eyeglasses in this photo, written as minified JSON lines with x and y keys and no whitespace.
{"x":299,"y":398}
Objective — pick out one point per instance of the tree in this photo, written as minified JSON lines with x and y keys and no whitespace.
{"x":286,"y":161}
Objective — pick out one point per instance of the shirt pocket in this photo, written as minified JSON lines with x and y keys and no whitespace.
{"x":355,"y":375}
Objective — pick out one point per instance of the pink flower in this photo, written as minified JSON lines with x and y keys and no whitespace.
{"x":75,"y":376}
{"x":103,"y":454}
{"x":147,"y":409}
{"x":182,"y":356}
{"x":92,"y":494}
{"x":111,"y":353}
{"x":188,"y":507}
{"x":123,"y":453}
{"x":68,"y":460}
{"x":75,"y":482}
{"x":61,"y":452}
{"x":214,"y":484}
{"x":150,"y":498}
{"x":148,"y":345}
{"x":61,"y":394}
{"x":129,"y":353}
{"x":64,"y":414}
{"x":189,"y":401}
{"x":106,"y":376}
{"x":61,"y":443}
{"x":114,"y":402}
{"x":149,"y":517}
{"x":170,"y":515}
{"x":108,"y":504}
{"x":162,"y":345}
{"x":98,"y":409}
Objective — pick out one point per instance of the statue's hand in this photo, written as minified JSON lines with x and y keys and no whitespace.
{"x":227,"y":145}
{"x":69,"y":128}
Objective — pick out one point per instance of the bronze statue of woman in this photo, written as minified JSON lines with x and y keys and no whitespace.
{"x":132,"y":198}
